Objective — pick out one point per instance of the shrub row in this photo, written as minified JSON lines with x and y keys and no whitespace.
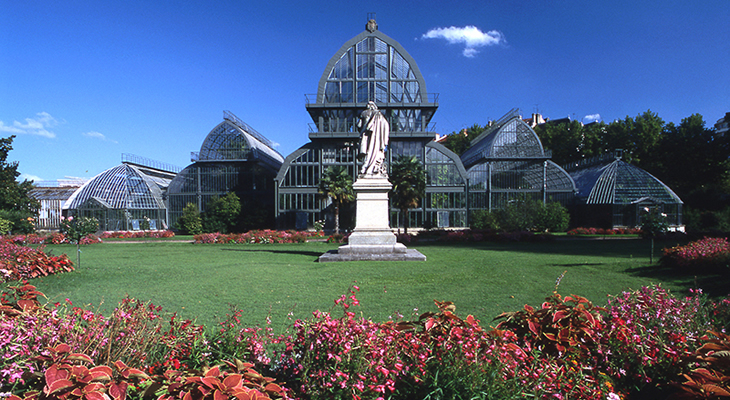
{"x":642,"y":344}
{"x":265,"y":236}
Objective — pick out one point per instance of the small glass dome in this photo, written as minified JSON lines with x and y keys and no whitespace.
{"x":120,"y":198}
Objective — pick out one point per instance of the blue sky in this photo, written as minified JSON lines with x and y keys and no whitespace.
{"x":82,"y":82}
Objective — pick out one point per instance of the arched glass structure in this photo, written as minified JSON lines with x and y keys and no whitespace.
{"x":507,"y":162}
{"x":613,"y":193}
{"x":121,"y":197}
{"x":370,"y":67}
{"x":233,"y":158}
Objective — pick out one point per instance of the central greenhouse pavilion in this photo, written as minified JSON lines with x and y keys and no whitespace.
{"x":370,"y":67}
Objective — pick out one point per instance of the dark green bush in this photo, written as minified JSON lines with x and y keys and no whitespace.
{"x":221,"y":214}
{"x":190,"y":221}
{"x":523,"y":216}
{"x":21,"y":221}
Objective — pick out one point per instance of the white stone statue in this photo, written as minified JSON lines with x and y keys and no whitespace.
{"x":374,"y":136}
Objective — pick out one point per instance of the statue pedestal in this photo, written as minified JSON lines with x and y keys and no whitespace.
{"x":372,"y":238}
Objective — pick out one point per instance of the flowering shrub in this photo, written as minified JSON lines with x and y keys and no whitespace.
{"x":649,"y":335}
{"x":338,"y":238}
{"x":567,"y":348}
{"x":601,"y":231}
{"x":704,"y":253}
{"x":136,"y":234}
{"x":20,"y":262}
{"x":265,"y":236}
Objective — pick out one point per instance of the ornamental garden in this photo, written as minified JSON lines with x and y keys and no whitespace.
{"x":643,"y":341}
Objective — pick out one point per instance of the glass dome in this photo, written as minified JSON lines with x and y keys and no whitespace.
{"x":121,"y":197}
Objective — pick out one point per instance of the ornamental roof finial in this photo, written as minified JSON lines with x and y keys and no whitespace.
{"x":371,"y":26}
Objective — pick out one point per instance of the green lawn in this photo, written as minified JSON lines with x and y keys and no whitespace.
{"x":200,"y":281}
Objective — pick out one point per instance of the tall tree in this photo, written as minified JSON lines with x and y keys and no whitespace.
{"x":409,"y":185}
{"x":14,"y":195}
{"x":637,"y":137}
{"x":694,"y":162}
{"x":336,"y":183}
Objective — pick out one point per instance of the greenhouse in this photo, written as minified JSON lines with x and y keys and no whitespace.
{"x":613,"y":193}
{"x":121,"y":198}
{"x":236,"y":158}
{"x":370,"y":67}
{"x":507,"y":163}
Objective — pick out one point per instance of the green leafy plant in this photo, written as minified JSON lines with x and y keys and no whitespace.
{"x":336,"y":183}
{"x":5,"y":226}
{"x":653,"y":224}
{"x":409,"y":185}
{"x":221,"y":213}
{"x":75,"y":229}
{"x":190,"y":221}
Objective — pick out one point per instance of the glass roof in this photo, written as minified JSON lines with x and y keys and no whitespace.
{"x":510,"y":140}
{"x":618,"y":182}
{"x":122,"y":187}
{"x":372,"y":67}
{"x":229,"y":141}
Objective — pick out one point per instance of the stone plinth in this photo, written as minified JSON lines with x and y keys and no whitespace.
{"x":372,"y":238}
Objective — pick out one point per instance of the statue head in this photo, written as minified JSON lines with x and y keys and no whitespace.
{"x":372,"y":106}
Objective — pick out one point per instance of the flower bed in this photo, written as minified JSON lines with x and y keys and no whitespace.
{"x":21,"y":262}
{"x":136,"y":234}
{"x":701,"y":254}
{"x":53,"y":238}
{"x":566,"y":348}
{"x":604,"y":232}
{"x":266,"y":236}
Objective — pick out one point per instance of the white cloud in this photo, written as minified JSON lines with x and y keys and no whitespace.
{"x":98,"y":135}
{"x":592,"y":117}
{"x":470,"y":36}
{"x":32,"y":126}
{"x":29,"y":177}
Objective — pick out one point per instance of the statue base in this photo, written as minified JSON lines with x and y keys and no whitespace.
{"x":372,"y":239}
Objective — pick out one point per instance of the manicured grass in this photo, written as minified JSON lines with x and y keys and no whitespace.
{"x":200,"y":281}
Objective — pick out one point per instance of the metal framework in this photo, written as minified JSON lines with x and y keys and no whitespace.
{"x":233,"y":158}
{"x":122,"y":196}
{"x":621,"y":191}
{"x":507,"y":162}
{"x":370,"y":67}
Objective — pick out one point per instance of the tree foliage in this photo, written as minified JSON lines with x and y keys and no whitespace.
{"x":221,"y":213}
{"x":190,"y":222}
{"x":14,"y":195}
{"x":409,"y":185}
{"x":458,"y":142}
{"x":336,"y":183}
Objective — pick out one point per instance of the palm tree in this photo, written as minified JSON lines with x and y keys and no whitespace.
{"x":409,"y":185}
{"x":336,"y":183}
